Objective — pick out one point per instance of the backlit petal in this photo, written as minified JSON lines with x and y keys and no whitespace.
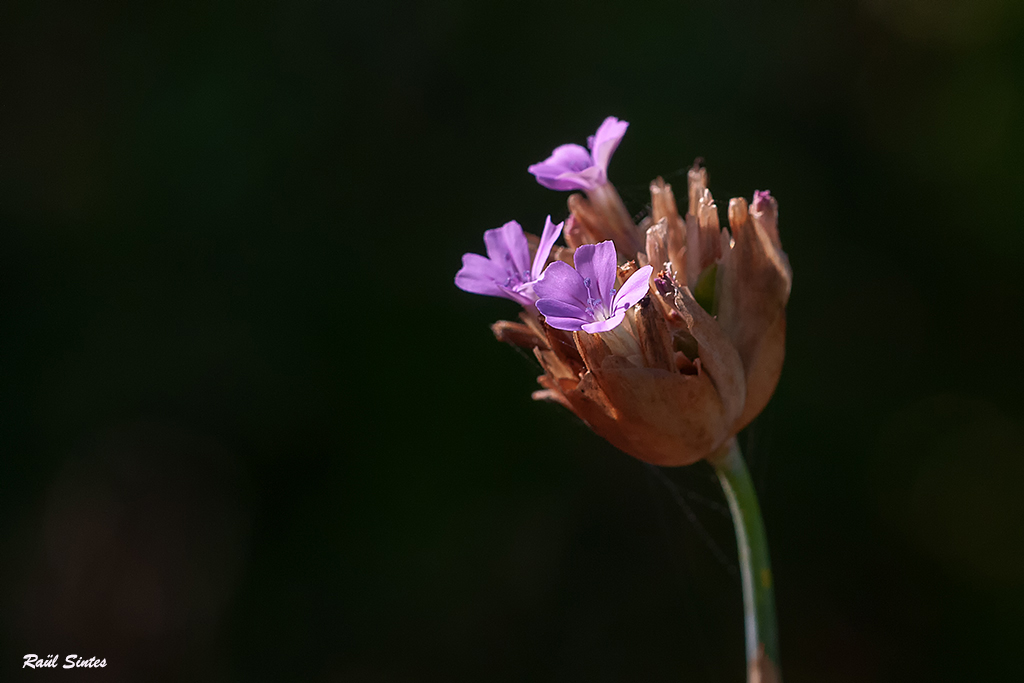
{"x":508,"y":248}
{"x":606,"y":140}
{"x":557,"y":172}
{"x":605,"y":325}
{"x":547,"y":240}
{"x":633,"y":289}
{"x":560,"y":281}
{"x":480,"y":275}
{"x":597,"y":262}
{"x":556,"y":308}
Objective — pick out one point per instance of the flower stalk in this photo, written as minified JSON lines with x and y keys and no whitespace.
{"x":755,"y":569}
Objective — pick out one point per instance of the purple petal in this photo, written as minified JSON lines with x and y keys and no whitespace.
{"x":480,"y":275}
{"x":604,"y":325}
{"x":559,"y":281}
{"x":633,"y":289}
{"x":525,"y":298}
{"x":585,"y":180}
{"x":605,"y":140}
{"x":508,"y":248}
{"x":547,"y":240}
{"x":564,"y":182}
{"x":597,"y":262}
{"x":562,"y":315}
{"x":564,"y":159}
{"x":556,"y":308}
{"x":564,"y":169}
{"x":567,"y":324}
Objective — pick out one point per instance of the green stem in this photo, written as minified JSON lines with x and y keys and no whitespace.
{"x":755,"y":570}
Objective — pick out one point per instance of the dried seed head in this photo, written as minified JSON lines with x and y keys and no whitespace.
{"x":703,"y":238}
{"x":664,"y":295}
{"x":755,"y":285}
{"x":696,"y":183}
{"x":738,"y":213}
{"x":614,"y":220}
{"x":653,"y":335}
{"x":564,"y":347}
{"x":663,"y":205}
{"x":707,"y":211}
{"x":584,"y":227}
{"x":517,"y":334}
{"x":765,"y":216}
{"x":657,"y":245}
{"x":673,"y":377}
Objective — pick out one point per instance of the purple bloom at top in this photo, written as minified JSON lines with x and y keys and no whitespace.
{"x":762,"y":198}
{"x":506,"y":270}
{"x":571,"y":167}
{"x":586,"y":298}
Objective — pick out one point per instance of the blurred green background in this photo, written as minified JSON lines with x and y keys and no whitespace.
{"x":251,"y":430}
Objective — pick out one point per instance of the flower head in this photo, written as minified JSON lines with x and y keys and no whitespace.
{"x":506,"y":271}
{"x":697,"y":359}
{"x":585,"y":298}
{"x":667,"y":373}
{"x":571,"y":167}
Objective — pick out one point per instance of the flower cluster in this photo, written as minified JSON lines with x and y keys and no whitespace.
{"x":665,"y":337}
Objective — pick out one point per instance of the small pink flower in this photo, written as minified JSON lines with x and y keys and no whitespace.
{"x":506,"y":270}
{"x":571,"y":167}
{"x":585,"y":298}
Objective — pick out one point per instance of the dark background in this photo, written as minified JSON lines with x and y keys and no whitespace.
{"x":249,"y":429}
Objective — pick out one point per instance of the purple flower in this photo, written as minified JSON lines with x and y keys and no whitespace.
{"x":585,"y":298}
{"x":762,"y":199}
{"x":570,"y":167}
{"x":506,"y":270}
